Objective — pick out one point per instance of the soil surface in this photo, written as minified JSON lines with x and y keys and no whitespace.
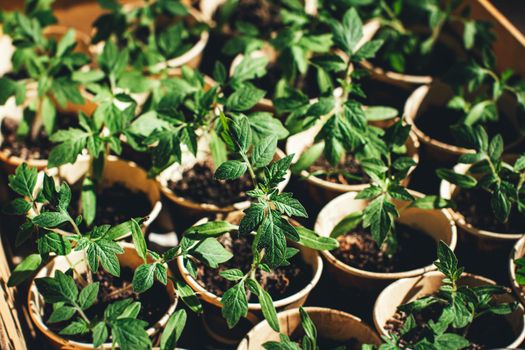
{"x":115,"y":204}
{"x":280,"y":283}
{"x":199,"y":185}
{"x":487,"y":332}
{"x":474,"y":205}
{"x":358,"y":249}
{"x":436,"y":122}
{"x":27,"y":148}
{"x":154,"y":302}
{"x":350,"y":171}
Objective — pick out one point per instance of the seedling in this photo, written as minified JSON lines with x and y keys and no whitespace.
{"x":46,"y":211}
{"x":152,"y":33}
{"x":458,"y":307}
{"x":44,"y":65}
{"x":309,"y":340}
{"x":266,"y":218}
{"x":489,"y":172}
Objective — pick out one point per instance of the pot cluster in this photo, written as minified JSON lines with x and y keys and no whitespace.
{"x":216,"y":107}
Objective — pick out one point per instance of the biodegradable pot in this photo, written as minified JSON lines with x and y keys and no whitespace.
{"x":438,"y":224}
{"x":438,"y":94}
{"x":11,"y":109}
{"x":194,"y":210}
{"x":406,"y":81}
{"x":35,"y":302}
{"x":478,"y":239}
{"x":322,"y":191}
{"x":213,"y":321}
{"x":117,"y":171}
{"x":517,"y":252}
{"x":330,"y":324}
{"x":190,"y":58}
{"x":410,"y":289}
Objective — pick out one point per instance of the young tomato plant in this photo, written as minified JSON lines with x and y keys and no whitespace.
{"x":490,"y":173}
{"x":457,"y":306}
{"x":44,"y":71}
{"x":188,"y":112}
{"x":46,"y":211}
{"x":153,"y":33}
{"x":265,"y":219}
{"x":309,"y":340}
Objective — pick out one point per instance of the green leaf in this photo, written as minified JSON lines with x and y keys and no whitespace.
{"x":63,"y":313}
{"x":209,"y":229}
{"x":173,"y":330}
{"x":288,"y":205}
{"x":130,"y":334}
{"x":144,"y":277}
{"x":68,"y":42}
{"x":263,"y":151}
{"x":450,"y":341}
{"x":463,"y":181}
{"x":71,"y":143}
{"x":48,"y":112}
{"x":24,"y":270}
{"x":268,"y":308}
{"x":310,"y":239}
{"x":496,"y":148}
{"x":308,"y":157}
{"x":118,"y":231}
{"x":8,"y":88}
{"x":231,"y":170}
{"x":232,"y":274}
{"x":89,"y":201}
{"x":253,"y":216}
{"x":244,"y":98}
{"x":52,"y":242}
{"x":368,"y":50}
{"x":188,"y":297}
{"x":67,"y":286}
{"x":235,"y":304}
{"x":500,"y":205}
{"x":432,"y":202}
{"x":77,"y":327}
{"x":447,"y":262}
{"x":24,"y":180}
{"x":347,"y":224}
{"x":100,"y":334}
{"x":308,"y":326}
{"x":348,"y":33}
{"x":18,"y":206}
{"x":50,"y":219}
{"x":138,"y":240}
{"x":88,"y":295}
{"x":250,"y":68}
{"x":273,"y":240}
{"x":212,"y":252}
{"x":520,"y":164}
{"x":378,"y":113}
{"x":378,"y":215}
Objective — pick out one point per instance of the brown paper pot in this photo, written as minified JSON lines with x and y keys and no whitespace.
{"x":407,"y":81}
{"x":193,"y":210}
{"x":322,"y":191}
{"x":409,"y":289}
{"x":331,"y":324}
{"x":117,"y":171}
{"x":10,"y":109}
{"x":436,"y":223}
{"x":213,"y":321}
{"x":35,"y":302}
{"x":517,"y":252}
{"x":479,"y":239}
{"x":190,"y":58}
{"x":438,"y":94}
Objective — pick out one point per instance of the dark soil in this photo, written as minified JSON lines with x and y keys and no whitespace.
{"x":358,"y":249}
{"x":263,"y":14}
{"x":486,"y":332}
{"x":438,"y":62}
{"x":199,"y":185}
{"x":27,"y":148}
{"x":474,"y":205}
{"x":115,"y":204}
{"x":348,"y":173}
{"x":154,"y":302}
{"x":280,"y":283}
{"x":436,"y":122}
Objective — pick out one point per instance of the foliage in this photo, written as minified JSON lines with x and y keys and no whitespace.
{"x":460,"y":305}
{"x":309,"y":341}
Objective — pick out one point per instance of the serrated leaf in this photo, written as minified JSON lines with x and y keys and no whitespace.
{"x":211,"y":252}
{"x":173,"y":330}
{"x":263,"y":151}
{"x":88,"y":295}
{"x":235,"y":304}
{"x":310,"y":239}
{"x":231,"y":170}
{"x":24,"y":270}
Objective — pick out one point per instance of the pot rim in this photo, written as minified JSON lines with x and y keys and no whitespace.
{"x":42,"y":327}
{"x":392,"y":286}
{"x":520,"y":244}
{"x":380,"y":275}
{"x":342,"y":188}
{"x":216,"y":300}
{"x":309,"y":309}
{"x":213,"y":208}
{"x":447,"y":191}
{"x":174,"y":62}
